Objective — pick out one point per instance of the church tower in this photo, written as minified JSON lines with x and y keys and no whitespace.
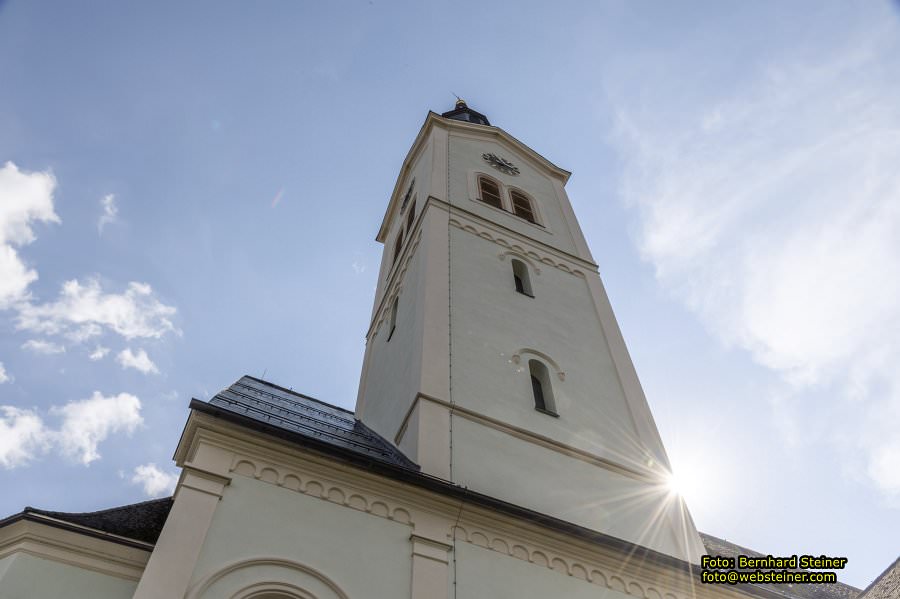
{"x":493,"y":358}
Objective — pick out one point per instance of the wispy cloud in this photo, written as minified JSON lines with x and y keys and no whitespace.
{"x":775,"y":216}
{"x":99,"y":353}
{"x":109,"y":212}
{"x":4,"y":376}
{"x":85,"y":424}
{"x":25,"y":198}
{"x":139,"y":361}
{"x":155,"y":481}
{"x":41,"y":346}
{"x":278,"y":197}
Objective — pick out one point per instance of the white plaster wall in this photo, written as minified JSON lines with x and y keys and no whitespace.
{"x":491,"y":321}
{"x":492,"y":462}
{"x":482,"y":573}
{"x":24,"y":576}
{"x":366,"y":556}
{"x":393,"y":367}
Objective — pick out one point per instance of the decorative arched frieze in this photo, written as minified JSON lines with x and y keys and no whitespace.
{"x":491,"y":236}
{"x":333,"y":493}
{"x":560,"y":563}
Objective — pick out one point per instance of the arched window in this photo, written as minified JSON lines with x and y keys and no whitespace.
{"x":522,"y":206}
{"x":541,"y":388}
{"x":490,"y":192}
{"x":398,"y":245}
{"x":521,"y":278}
{"x":393,"y":321}
{"x":411,"y":216}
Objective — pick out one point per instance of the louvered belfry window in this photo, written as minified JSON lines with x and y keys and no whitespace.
{"x":522,"y":206}
{"x":490,"y":192}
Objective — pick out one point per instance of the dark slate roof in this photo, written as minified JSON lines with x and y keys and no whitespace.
{"x":311,"y":419}
{"x":886,"y":586}
{"x":463,"y":113}
{"x":139,"y":521}
{"x":717,"y":546}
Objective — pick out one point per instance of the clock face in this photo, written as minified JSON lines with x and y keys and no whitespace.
{"x":501,"y":164}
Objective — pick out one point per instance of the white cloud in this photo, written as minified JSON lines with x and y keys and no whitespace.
{"x":85,"y":424}
{"x":25,"y":198}
{"x":88,"y":422}
{"x":775,"y":216}
{"x":139,"y":361}
{"x":4,"y":376}
{"x":99,"y":353}
{"x":110,"y":212}
{"x":84,"y":309}
{"x":41,"y":346}
{"x":155,"y":481}
{"x":22,"y":436}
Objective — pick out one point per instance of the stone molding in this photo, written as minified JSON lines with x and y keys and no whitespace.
{"x":73,"y":549}
{"x":527,"y":351}
{"x":526,"y":435}
{"x":515,"y":254}
{"x":299,"y":570}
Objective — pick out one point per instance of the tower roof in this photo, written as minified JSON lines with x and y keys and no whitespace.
{"x":463,"y":113}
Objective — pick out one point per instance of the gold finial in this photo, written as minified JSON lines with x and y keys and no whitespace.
{"x":460,"y":103}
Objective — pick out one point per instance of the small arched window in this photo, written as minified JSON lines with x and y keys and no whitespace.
{"x":411,"y":216}
{"x":541,"y":388}
{"x":522,"y":206}
{"x":393,"y":321}
{"x":521,"y":278}
{"x":490,"y":192}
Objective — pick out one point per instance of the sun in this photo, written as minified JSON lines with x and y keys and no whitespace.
{"x":685,"y":484}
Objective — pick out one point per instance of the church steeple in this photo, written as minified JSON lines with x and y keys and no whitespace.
{"x":461,"y":112}
{"x":493,"y":358}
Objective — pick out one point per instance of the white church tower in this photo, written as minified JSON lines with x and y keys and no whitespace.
{"x":501,"y":448}
{"x":493,"y":358}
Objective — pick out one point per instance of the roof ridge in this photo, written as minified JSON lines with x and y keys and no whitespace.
{"x":35,"y":510}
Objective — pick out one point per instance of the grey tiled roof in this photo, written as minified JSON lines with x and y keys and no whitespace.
{"x":887,"y":585}
{"x":717,"y":546}
{"x":309,"y":418}
{"x":139,"y":521}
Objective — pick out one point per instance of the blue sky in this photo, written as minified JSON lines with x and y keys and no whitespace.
{"x":190,"y":192}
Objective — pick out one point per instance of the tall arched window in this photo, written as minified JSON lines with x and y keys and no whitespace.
{"x":393,"y":321}
{"x":522,"y":206}
{"x":398,"y":245}
{"x":521,"y":278}
{"x":490,"y":192}
{"x":541,"y":388}
{"x":411,"y":216}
